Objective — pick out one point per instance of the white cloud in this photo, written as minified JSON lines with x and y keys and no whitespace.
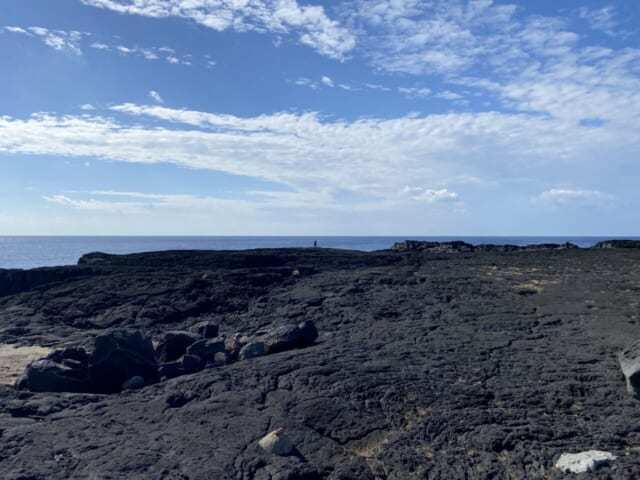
{"x":306,"y":82}
{"x":150,"y":53}
{"x":370,"y":160}
{"x":567,"y":196}
{"x":95,"y":205}
{"x":428,"y":195}
{"x":87,"y":107}
{"x":17,"y":30}
{"x":437,"y":37}
{"x":309,"y":22}
{"x":327,"y":81}
{"x":415,"y":92}
{"x":155,"y":96}
{"x":100,"y":46}
{"x":60,"y":40}
{"x":514,"y":61}
{"x":72,"y":41}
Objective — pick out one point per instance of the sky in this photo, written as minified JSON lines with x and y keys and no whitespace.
{"x":284,"y":117}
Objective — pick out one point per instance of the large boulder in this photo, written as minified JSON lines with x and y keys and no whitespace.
{"x":119,"y":356}
{"x":174,"y":345}
{"x":629,"y":360}
{"x":46,"y":375}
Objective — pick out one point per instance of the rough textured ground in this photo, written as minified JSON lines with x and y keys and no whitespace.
{"x":477,"y":365}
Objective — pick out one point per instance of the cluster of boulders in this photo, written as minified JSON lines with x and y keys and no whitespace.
{"x":182,"y":352}
{"x":125,"y":359}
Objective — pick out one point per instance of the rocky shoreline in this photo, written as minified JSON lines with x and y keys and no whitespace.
{"x":426,"y":361}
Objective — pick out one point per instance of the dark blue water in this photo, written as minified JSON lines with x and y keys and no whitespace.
{"x":29,"y":252}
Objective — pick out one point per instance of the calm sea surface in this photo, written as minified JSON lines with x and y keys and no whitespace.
{"x":30,"y":252}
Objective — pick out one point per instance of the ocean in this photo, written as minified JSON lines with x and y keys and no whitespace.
{"x":31,"y":252}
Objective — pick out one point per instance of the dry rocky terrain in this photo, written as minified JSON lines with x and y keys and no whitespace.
{"x":431,"y":363}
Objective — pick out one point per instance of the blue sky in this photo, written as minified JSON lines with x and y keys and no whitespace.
{"x":396,"y":117}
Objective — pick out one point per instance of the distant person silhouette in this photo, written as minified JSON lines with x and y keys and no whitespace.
{"x":315,"y":243}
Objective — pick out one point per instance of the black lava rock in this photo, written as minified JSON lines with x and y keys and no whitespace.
{"x":49,"y":376}
{"x":174,"y":345}
{"x":118,"y":356}
{"x":192,"y":363}
{"x":207,"y":349}
{"x":206,"y":329}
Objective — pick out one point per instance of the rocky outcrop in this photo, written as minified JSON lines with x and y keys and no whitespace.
{"x":463,"y":247}
{"x":126,"y":360}
{"x":117,"y":358}
{"x":433,"y":247}
{"x":609,"y":244}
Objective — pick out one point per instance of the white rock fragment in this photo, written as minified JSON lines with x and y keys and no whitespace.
{"x":583,"y":461}
{"x":276,"y":443}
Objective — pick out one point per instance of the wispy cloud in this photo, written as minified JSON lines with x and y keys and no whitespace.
{"x":60,"y":40}
{"x":76,"y":42}
{"x":306,"y":82}
{"x":155,"y":96}
{"x":166,"y":54}
{"x":370,"y":159}
{"x":560,"y":197}
{"x":309,"y":22}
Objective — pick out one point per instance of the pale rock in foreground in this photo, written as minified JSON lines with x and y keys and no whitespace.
{"x":276,"y":443}
{"x":584,"y":461}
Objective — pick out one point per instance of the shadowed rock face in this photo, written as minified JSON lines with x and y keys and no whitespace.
{"x":428,"y":365}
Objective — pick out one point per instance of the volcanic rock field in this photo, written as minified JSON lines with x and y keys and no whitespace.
{"x":431,"y":361}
